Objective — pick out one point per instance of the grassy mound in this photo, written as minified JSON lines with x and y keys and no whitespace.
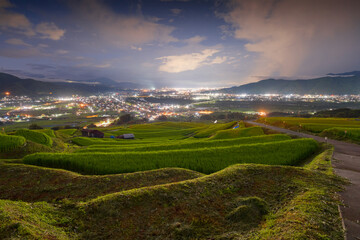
{"x":205,"y":208}
{"x":20,"y":220}
{"x":34,"y":136}
{"x":43,"y":184}
{"x":249,"y":210}
{"x":69,"y":132}
{"x":240,"y":202}
{"x":188,"y":145}
{"x":204,"y":160}
{"x":10,"y":143}
{"x":47,"y":131}
{"x":238,"y":133}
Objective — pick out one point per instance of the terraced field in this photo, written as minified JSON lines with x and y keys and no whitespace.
{"x":336,"y":128}
{"x":173,"y":181}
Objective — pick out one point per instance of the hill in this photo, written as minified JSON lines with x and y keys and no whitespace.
{"x":31,"y":87}
{"x":337,"y":84}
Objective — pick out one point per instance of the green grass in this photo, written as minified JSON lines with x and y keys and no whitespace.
{"x":342,"y":133}
{"x":292,"y":203}
{"x":187,"y":144}
{"x":238,"y":133}
{"x":47,"y":131}
{"x":322,"y":162}
{"x":10,"y":143}
{"x":67,"y":131}
{"x":244,"y":201}
{"x":85,"y":141}
{"x":33,"y":183}
{"x":21,"y":220}
{"x":204,"y":160}
{"x":318,"y":128}
{"x":34,"y":136}
{"x":212,"y":129}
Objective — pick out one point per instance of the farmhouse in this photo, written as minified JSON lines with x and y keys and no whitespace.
{"x":92,"y":133}
{"x":127,"y":136}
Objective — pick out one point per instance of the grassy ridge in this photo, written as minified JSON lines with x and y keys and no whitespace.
{"x":37,"y":137}
{"x":302,"y":205}
{"x":317,"y":128}
{"x":191,"y":144}
{"x":85,"y":141}
{"x":32,"y":183}
{"x":205,"y":160}
{"x":212,"y":129}
{"x":67,"y":131}
{"x":10,"y":143}
{"x":350,"y":133}
{"x":238,"y":133}
{"x":21,"y":220}
{"x":47,"y":131}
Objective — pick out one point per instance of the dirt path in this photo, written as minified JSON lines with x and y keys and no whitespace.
{"x":346,"y":163}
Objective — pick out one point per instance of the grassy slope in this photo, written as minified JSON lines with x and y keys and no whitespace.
{"x":302,"y":204}
{"x":199,"y":208}
{"x":43,"y":184}
{"x":238,"y":133}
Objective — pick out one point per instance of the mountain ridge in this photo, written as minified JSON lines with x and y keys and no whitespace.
{"x":337,"y":84}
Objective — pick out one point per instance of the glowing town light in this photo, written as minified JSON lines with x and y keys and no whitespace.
{"x":7,"y":93}
{"x":263,"y":114}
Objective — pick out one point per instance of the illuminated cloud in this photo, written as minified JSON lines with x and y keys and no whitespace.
{"x":292,"y":37}
{"x":120,"y":30}
{"x":20,"y":24}
{"x":50,"y":31}
{"x":16,"y":41}
{"x":187,"y":62}
{"x":195,"y":40}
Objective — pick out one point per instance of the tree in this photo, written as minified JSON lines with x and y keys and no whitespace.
{"x":162,"y":118}
{"x":34,"y":126}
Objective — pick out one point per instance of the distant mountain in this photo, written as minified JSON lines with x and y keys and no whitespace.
{"x":31,"y":87}
{"x":111,"y":83}
{"x":337,"y":84}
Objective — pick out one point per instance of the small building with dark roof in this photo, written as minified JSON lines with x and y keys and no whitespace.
{"x":92,"y":133}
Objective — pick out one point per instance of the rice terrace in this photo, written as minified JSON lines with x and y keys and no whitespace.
{"x":175,"y":180}
{"x":179,"y":120}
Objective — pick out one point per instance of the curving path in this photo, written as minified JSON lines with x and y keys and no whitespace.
{"x":346,"y":163}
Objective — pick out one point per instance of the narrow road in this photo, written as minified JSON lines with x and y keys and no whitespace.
{"x":346,"y":163}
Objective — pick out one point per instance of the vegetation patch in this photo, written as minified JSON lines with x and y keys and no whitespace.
{"x":238,"y":133}
{"x":204,"y":160}
{"x":35,"y":136}
{"x":32,"y":183}
{"x":342,"y":133}
{"x":212,"y":129}
{"x":188,"y":145}
{"x":21,"y":220}
{"x":10,"y":143}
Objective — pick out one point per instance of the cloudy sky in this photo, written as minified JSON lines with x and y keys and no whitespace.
{"x":179,"y":43}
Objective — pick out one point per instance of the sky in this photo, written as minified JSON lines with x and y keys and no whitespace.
{"x":179,"y":43}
